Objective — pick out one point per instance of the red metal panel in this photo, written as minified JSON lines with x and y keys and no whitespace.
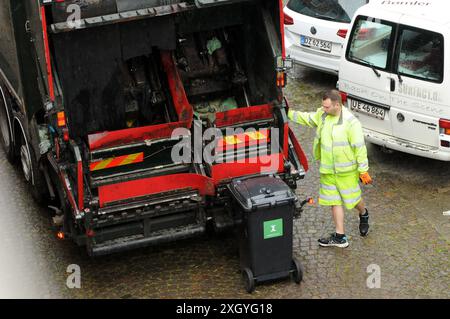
{"x":298,"y":149}
{"x":286,"y":140}
{"x":226,"y":171}
{"x":154,"y":185}
{"x":69,"y":193}
{"x":283,"y":49}
{"x":51,"y":90}
{"x":182,"y":106}
{"x":133,"y":135}
{"x":242,"y":115}
{"x":80,"y":185}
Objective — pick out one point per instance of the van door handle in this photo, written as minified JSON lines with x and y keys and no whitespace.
{"x":392,"y":85}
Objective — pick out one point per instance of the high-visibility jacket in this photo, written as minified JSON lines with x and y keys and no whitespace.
{"x":339,"y":141}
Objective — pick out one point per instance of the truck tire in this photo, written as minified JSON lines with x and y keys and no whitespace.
{"x":6,"y":138}
{"x":30,"y":165}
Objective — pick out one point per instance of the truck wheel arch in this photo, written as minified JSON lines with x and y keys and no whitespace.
{"x":8,"y":113}
{"x":6,"y":108}
{"x":20,"y":133}
{"x":36,"y":182}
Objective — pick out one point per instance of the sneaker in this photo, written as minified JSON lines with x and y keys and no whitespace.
{"x":364,"y":224}
{"x":333,"y":241}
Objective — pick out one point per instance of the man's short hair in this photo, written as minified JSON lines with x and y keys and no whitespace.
{"x":333,"y":95}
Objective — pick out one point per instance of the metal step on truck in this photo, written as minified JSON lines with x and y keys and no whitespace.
{"x":108,"y":107}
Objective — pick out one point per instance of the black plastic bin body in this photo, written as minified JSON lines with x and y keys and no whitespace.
{"x":267,"y":205}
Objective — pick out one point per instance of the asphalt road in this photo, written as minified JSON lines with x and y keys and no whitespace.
{"x":409,"y":240}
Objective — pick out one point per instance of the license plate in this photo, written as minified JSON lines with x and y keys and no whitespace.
{"x":316,"y":43}
{"x":367,"y":109}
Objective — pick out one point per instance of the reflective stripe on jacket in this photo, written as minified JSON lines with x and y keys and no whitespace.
{"x":339,"y":142}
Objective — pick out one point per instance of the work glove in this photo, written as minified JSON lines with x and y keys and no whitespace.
{"x":365,"y":178}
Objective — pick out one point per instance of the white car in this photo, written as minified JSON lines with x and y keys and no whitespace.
{"x":316,"y":29}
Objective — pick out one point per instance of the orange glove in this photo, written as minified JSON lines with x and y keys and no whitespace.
{"x":365,"y":178}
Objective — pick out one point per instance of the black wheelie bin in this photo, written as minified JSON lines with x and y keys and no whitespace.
{"x":267,"y":206}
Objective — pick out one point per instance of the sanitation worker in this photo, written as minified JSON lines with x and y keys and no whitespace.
{"x":339,"y":147}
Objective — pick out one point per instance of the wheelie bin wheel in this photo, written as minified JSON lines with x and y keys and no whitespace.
{"x":298,"y":271}
{"x":247,"y":274}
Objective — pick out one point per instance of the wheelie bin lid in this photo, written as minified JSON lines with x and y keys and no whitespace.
{"x":261,"y":192}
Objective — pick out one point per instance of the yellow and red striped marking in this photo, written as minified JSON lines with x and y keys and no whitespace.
{"x":245,"y":139}
{"x":117,"y":161}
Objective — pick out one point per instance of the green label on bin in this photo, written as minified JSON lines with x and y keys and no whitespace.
{"x":273,"y":228}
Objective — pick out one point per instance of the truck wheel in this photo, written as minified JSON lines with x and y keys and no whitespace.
{"x":249,"y":281}
{"x":298,"y":271}
{"x":29,"y":163}
{"x":6,"y":127}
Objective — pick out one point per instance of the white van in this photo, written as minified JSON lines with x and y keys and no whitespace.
{"x":395,"y":75}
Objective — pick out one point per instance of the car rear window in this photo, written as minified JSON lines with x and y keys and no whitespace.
{"x":333,"y":10}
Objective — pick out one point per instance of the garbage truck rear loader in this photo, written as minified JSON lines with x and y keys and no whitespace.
{"x":97,"y":98}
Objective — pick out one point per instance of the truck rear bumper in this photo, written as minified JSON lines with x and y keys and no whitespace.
{"x":148,"y":221}
{"x":133,"y":242}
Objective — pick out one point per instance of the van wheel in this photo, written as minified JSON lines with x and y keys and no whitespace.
{"x":33,"y":175}
{"x":5,"y":128}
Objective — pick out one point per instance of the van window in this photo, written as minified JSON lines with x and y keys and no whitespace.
{"x":421,"y":54}
{"x":333,"y":10}
{"x":370,"y":42}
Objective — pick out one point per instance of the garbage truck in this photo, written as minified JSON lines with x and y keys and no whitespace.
{"x":98,"y":96}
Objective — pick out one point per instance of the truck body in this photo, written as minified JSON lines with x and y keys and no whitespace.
{"x":108,"y":107}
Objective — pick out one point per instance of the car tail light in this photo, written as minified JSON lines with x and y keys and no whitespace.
{"x":288,"y":20}
{"x":444,"y":126}
{"x":343,"y":97}
{"x":342,"y":33}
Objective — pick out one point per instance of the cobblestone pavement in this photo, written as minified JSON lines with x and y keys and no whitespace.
{"x":409,"y":239}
